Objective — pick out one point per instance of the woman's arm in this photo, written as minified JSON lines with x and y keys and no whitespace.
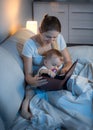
{"x":67,"y":60}
{"x":28,"y":70}
{"x":30,"y":79}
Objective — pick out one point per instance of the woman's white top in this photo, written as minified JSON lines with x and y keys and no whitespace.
{"x":30,"y":50}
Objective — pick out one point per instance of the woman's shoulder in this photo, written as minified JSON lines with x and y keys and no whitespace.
{"x":30,"y":43}
{"x":60,"y":36}
{"x":29,"y":48}
{"x":61,"y":42}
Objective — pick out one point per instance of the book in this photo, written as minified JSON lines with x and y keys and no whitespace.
{"x":59,"y":81}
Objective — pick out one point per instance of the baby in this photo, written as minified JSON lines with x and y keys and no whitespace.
{"x":53,"y":62}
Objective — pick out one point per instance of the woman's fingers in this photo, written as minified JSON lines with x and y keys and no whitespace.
{"x":42,"y":82}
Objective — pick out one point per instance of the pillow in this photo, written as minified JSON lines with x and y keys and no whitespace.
{"x":11,"y":87}
{"x":78,"y":85}
{"x":2,"y":127}
{"x":3,"y":37}
{"x":84,"y":53}
{"x":21,"y":36}
{"x":10,"y":45}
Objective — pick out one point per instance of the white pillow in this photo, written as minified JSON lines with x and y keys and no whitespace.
{"x":2,"y":127}
{"x":11,"y":87}
{"x":3,"y":36}
{"x":78,"y":85}
{"x":84,"y":53}
{"x":21,"y":36}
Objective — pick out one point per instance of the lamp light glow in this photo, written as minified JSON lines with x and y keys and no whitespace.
{"x":32,"y":26}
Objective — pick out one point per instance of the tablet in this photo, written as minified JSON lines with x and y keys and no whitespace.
{"x":59,"y":82}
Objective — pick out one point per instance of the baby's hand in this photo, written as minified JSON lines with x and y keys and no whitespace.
{"x":51,"y":73}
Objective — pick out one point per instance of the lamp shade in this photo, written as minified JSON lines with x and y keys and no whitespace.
{"x":32,"y":26}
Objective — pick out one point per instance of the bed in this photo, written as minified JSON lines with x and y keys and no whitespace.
{"x":70,"y":109}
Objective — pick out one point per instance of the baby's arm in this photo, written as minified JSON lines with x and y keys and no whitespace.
{"x":43,"y":71}
{"x":47,"y":71}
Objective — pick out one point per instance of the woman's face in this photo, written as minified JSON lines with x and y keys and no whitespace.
{"x":49,"y":36}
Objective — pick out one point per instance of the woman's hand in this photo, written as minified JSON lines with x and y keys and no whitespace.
{"x":64,"y":70}
{"x":36,"y":81}
{"x":66,"y":67}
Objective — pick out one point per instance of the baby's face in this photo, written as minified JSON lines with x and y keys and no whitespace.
{"x":53,"y":63}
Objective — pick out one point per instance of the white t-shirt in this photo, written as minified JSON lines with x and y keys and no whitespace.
{"x":30,"y":50}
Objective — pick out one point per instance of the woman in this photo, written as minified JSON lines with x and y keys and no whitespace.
{"x":48,"y":37}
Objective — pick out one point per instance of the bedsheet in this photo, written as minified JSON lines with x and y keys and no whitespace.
{"x":70,"y":109}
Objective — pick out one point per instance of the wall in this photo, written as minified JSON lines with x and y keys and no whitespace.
{"x":76,"y":19}
{"x":13,"y":14}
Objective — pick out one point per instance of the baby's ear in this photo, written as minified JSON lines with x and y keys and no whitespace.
{"x":45,"y":61}
{"x":62,"y":58}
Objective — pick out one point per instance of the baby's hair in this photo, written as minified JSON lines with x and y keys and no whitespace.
{"x":50,"y":53}
{"x":50,"y":23}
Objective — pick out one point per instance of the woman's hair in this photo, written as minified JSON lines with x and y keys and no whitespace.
{"x":50,"y":23}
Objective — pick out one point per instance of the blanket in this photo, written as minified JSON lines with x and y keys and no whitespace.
{"x":70,"y":109}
